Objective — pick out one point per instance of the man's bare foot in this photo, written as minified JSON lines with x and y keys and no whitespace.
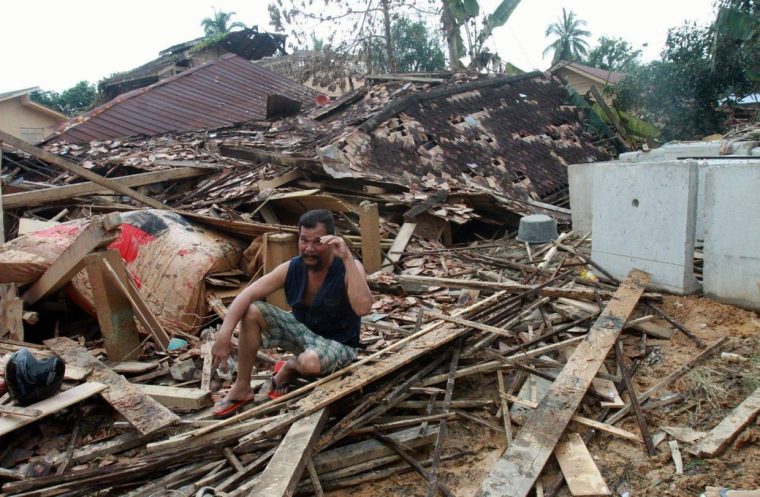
{"x":236,"y":397}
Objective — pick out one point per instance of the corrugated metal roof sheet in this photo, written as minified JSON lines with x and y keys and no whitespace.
{"x":220,"y":93}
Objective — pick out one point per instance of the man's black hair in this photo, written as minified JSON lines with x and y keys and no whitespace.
{"x":310,"y":219}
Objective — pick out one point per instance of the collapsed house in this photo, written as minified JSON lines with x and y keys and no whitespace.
{"x":473,"y":333}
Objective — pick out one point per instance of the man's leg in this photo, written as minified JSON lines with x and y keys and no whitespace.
{"x":249,"y":341}
{"x":304,"y":364}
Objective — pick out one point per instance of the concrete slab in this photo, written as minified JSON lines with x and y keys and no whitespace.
{"x":645,"y":218}
{"x":732,"y":234}
{"x":581,"y":180}
{"x":676,"y":150}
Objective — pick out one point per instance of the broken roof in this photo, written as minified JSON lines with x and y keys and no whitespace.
{"x":220,"y":93}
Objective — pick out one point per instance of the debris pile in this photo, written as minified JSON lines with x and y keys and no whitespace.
{"x":476,"y":343}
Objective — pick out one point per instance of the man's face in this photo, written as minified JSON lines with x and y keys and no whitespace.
{"x":315,"y":254}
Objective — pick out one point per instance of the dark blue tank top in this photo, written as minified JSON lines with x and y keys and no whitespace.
{"x":330,"y":314}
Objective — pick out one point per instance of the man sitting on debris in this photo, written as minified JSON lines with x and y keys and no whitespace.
{"x":327,"y":290}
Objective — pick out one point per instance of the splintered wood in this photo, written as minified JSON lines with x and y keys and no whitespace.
{"x":144,"y":413}
{"x":520,"y":466}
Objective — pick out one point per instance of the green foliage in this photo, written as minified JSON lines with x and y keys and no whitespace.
{"x":682,"y":92}
{"x":220,"y":23}
{"x":613,"y":54}
{"x":498,"y":17}
{"x":75,"y":100}
{"x":417,"y":49}
{"x":570,"y":43}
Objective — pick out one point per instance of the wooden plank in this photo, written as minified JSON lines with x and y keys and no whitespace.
{"x":71,"y":261}
{"x":26,"y":225}
{"x":579,"y":469}
{"x":369,"y":223}
{"x":675,"y":454}
{"x":278,"y":248}
{"x":133,"y":367}
{"x":11,"y":313}
{"x":399,"y":244}
{"x":279,"y":181}
{"x":177,"y":397}
{"x":722,"y":435}
{"x":20,"y":411}
{"x":115,"y":316}
{"x":207,"y":364}
{"x":724,"y":492}
{"x":587,"y":294}
{"x":47,"y":195}
{"x":582,"y":420}
{"x":143,"y":412}
{"x":62,"y":400}
{"x":368,"y":450}
{"x":78,"y":170}
{"x":286,"y":467}
{"x":114,"y":265}
{"x":517,"y":470}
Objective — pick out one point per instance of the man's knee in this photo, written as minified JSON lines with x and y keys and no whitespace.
{"x":308,"y":363}
{"x":253,"y":319}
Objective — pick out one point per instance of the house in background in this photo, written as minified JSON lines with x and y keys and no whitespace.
{"x":221,"y":93}
{"x":582,"y":77}
{"x":23,"y":118}
{"x":247,"y":43}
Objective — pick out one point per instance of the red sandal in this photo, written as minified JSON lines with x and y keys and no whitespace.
{"x":277,"y":391}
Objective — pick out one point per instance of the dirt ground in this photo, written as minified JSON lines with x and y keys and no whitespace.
{"x":710,"y":392}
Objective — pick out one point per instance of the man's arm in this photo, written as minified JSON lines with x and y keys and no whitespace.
{"x":267,"y":284}
{"x":358,"y":292}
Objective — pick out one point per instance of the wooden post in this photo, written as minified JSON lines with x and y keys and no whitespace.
{"x":11,"y":313}
{"x":115,"y":316}
{"x":278,"y":248}
{"x":369,"y":222}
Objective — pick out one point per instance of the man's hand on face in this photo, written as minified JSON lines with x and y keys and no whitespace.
{"x":337,"y":245}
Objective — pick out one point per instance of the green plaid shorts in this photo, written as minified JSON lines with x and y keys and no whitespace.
{"x":287,"y":333}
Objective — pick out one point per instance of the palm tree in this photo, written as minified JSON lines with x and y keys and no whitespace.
{"x":219,"y":23}
{"x":570,"y":43}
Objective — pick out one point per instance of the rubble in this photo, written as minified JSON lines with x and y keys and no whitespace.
{"x":489,"y":366}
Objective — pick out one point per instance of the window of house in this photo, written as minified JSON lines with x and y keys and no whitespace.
{"x":32,"y":135}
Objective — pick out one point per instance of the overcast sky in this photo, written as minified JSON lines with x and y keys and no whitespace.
{"x":55,"y":44}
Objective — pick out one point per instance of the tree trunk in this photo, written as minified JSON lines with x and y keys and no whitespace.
{"x":388,"y":38}
{"x":451,"y":30}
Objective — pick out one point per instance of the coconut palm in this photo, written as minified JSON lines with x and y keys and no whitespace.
{"x":570,"y":43}
{"x":220,"y":23}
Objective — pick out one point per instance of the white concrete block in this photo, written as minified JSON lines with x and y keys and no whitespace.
{"x":581,"y":180}
{"x":676,"y":150}
{"x":645,"y":218}
{"x":732,"y":234}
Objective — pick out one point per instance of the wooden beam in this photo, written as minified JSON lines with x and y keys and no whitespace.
{"x":114,"y":265}
{"x":11,"y":313}
{"x":722,"y":435}
{"x":115,"y":316}
{"x":54,"y":194}
{"x":62,"y":400}
{"x":579,"y":469}
{"x":144,"y":413}
{"x":582,"y":420}
{"x":399,"y":244}
{"x":369,"y":222}
{"x":278,"y":248}
{"x":283,"y":472}
{"x":101,"y":231}
{"x":279,"y":181}
{"x":518,"y":469}
{"x":177,"y":397}
{"x":78,"y":170}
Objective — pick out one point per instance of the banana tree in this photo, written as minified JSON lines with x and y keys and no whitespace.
{"x":457,"y":14}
